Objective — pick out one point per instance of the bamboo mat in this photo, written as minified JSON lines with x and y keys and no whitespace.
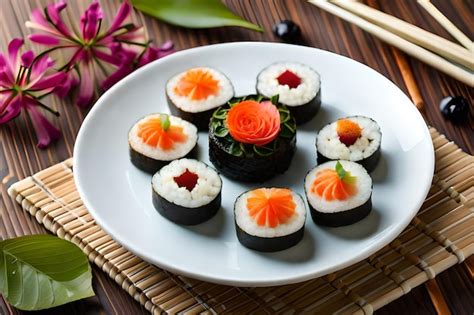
{"x":440,"y":236}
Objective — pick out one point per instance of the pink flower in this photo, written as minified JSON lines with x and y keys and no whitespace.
{"x":24,"y":82}
{"x":91,"y":50}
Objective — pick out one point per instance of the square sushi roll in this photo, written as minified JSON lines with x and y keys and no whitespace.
{"x":338,"y":193}
{"x":354,"y":138}
{"x":195,"y":93}
{"x":252,"y":138}
{"x":298,"y":87}
{"x":269,"y":219}
{"x":187,"y":192}
{"x":157,"y":139}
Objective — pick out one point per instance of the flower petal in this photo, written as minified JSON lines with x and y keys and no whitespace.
{"x":49,"y":81}
{"x":44,"y":39}
{"x":86,"y":87}
{"x":112,"y":58}
{"x":39,"y":68}
{"x":13,"y":48}
{"x":153,"y":53}
{"x":27,"y":58}
{"x":90,"y":20}
{"x":71,"y":81}
{"x":46,"y":132}
{"x":10,"y":108}
{"x":121,"y":72}
{"x":6,"y":75}
{"x":122,"y":13}
{"x":37,"y":17}
{"x":53,"y":11}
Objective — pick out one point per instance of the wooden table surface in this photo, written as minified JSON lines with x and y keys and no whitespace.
{"x":19,"y":156}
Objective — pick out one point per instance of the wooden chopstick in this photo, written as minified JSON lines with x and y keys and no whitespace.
{"x":447,"y":24}
{"x":409,"y":79}
{"x":412,"y":33}
{"x":410,"y":48}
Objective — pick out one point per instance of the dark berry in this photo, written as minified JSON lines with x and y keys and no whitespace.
{"x":287,"y":30}
{"x":454,"y":108}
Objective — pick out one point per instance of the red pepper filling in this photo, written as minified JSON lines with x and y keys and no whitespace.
{"x":290,"y":79}
{"x":187,"y":179}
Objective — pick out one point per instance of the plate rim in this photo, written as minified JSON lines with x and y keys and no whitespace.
{"x":382,"y":242}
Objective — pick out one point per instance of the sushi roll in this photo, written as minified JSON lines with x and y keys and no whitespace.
{"x":298,"y":86}
{"x":355,"y":138}
{"x":157,"y":139}
{"x":195,"y":93}
{"x":252,"y":138}
{"x":269,"y":219}
{"x":187,"y":192}
{"x":338,"y":193}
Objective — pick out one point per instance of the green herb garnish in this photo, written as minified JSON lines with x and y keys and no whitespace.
{"x":344,"y":175}
{"x":165,"y":121}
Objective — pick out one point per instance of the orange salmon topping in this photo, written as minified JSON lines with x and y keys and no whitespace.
{"x":329,"y":186}
{"x":348,"y":131}
{"x":253,"y":122}
{"x":197,"y":84}
{"x":153,"y":134}
{"x":271,"y":206}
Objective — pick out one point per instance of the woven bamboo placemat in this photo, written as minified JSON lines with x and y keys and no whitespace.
{"x":441,"y":235}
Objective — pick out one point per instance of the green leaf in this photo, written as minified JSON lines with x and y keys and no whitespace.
{"x":262,"y":151}
{"x":344,"y":175}
{"x":43,"y":271}
{"x":193,"y":13}
{"x":165,"y":121}
{"x":274,"y":99}
{"x":221,"y":131}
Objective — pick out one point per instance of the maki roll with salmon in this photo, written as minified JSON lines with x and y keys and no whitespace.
{"x":195,"y":93}
{"x":157,"y":139}
{"x":338,"y":193}
{"x":269,"y":219}
{"x":252,"y":138}
{"x":187,"y":192}
{"x":355,"y":138}
{"x":298,"y":86}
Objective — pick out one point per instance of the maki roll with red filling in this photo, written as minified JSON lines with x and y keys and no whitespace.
{"x":269,"y":219}
{"x":355,"y":138}
{"x":157,"y":139}
{"x":187,"y":192}
{"x":252,"y":138}
{"x":298,"y":86}
{"x":195,"y":93}
{"x":339,"y":193}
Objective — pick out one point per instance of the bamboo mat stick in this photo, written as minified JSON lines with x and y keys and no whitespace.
{"x":397,"y":41}
{"x":414,"y":34}
{"x":447,"y":24}
{"x":409,"y":79}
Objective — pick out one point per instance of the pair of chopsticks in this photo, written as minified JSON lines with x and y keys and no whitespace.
{"x":436,"y":51}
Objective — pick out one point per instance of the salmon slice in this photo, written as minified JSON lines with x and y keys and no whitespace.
{"x":197,"y":85}
{"x":330,"y":186}
{"x":271,"y":206}
{"x":152,"y":133}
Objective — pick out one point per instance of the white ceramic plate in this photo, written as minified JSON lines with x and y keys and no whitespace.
{"x":119,"y":196}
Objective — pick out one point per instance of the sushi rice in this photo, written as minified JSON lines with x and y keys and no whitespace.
{"x":306,"y":91}
{"x":329,"y":145}
{"x":207,"y":188}
{"x":226,"y":92}
{"x":363,"y":184}
{"x":250,"y":226}
{"x":154,"y":152}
